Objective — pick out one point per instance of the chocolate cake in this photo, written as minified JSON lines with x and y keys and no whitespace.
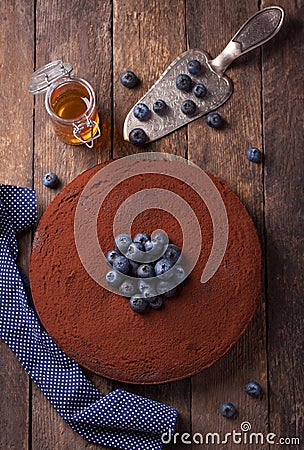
{"x":98,"y":329}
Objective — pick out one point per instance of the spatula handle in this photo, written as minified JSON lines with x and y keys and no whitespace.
{"x":261,"y":27}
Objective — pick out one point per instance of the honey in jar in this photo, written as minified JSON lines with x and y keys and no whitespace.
{"x":70,"y":102}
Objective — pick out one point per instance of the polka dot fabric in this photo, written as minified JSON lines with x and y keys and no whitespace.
{"x":120,"y":419}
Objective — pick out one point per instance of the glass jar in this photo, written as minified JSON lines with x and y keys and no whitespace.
{"x":70,"y":102}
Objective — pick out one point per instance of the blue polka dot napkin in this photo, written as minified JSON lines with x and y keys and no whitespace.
{"x":119,"y":419}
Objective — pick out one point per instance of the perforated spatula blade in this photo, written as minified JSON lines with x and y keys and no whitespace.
{"x":260,"y":28}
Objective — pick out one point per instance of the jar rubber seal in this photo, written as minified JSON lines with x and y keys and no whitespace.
{"x":42,"y":78}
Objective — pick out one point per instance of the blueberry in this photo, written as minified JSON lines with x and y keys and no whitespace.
{"x":113,"y":278}
{"x":183,"y":82}
{"x":127,"y":289}
{"x":188,"y":107}
{"x":149,"y":246}
{"x":179,"y":273}
{"x":141,"y":111}
{"x":156,"y":303}
{"x":129,"y":79}
{"x":149,"y":293}
{"x":159,"y":106}
{"x":194,"y":67}
{"x":121,"y":264}
{"x":111,"y":255}
{"x":50,"y":180}
{"x":199,"y":90}
{"x":138,"y":304}
{"x":139,"y":245}
{"x":172,"y":253}
{"x":162,"y":267}
{"x":156,"y":246}
{"x":155,"y":249}
{"x":253,"y":389}
{"x":134,"y":251}
{"x":253,"y":154}
{"x":122,"y":242}
{"x":227,"y":409}
{"x":134,"y":266}
{"x":141,"y":238}
{"x":160,"y":236}
{"x":146,"y":271}
{"x":138,"y":137}
{"x":214,"y":120}
{"x":143,"y":284}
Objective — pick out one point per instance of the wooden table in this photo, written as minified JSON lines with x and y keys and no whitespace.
{"x":101,"y":39}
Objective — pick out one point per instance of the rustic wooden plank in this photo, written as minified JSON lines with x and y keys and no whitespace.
{"x":78,"y":32}
{"x":16,"y":105}
{"x":284,"y":168}
{"x":209,"y":149}
{"x":145,"y":43}
{"x":222,"y":152}
{"x":148,"y":36}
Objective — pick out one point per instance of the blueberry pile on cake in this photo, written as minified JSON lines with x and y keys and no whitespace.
{"x":152,"y":264}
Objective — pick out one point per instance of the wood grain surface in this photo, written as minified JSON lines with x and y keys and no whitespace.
{"x":16,"y":156}
{"x":102,"y":38}
{"x":222,"y":152}
{"x":284,"y":189}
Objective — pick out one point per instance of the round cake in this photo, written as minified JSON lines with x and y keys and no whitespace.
{"x":98,"y":329}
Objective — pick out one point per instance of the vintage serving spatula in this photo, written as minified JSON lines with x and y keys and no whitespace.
{"x":261,"y":27}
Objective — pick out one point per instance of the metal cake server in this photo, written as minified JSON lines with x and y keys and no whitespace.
{"x":260,"y":28}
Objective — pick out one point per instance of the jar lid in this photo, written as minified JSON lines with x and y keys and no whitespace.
{"x":42,"y":78}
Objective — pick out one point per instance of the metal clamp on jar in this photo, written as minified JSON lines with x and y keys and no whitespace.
{"x":70,"y":102}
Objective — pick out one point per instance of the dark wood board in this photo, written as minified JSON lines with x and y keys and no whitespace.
{"x":222,"y":152}
{"x":283,"y":71}
{"x":101,"y":38}
{"x":140,"y":34}
{"x":64,"y":32}
{"x":16,"y":149}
